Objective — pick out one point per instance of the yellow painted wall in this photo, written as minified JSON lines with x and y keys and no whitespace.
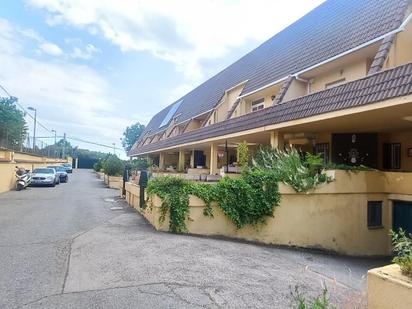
{"x":388,"y":288}
{"x":296,"y":89}
{"x":349,"y":73}
{"x":27,"y":161}
{"x":405,"y":138}
{"x":332,"y":217}
{"x":401,"y":51}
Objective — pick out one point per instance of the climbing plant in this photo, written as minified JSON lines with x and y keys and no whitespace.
{"x":174,"y":193}
{"x":243,"y":154}
{"x":249,"y":199}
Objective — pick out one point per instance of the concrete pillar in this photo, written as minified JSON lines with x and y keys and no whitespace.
{"x":162,"y":161}
{"x":276,"y":140}
{"x":181,"y":163}
{"x":213,"y":159}
{"x":192,"y":159}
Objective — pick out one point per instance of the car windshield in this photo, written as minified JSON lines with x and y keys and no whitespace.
{"x":58,"y":168}
{"x":43,"y":171}
{"x":67,"y":165}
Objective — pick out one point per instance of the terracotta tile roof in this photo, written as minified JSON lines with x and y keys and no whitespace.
{"x":382,"y":54}
{"x":371,"y":89}
{"x":330,"y":29}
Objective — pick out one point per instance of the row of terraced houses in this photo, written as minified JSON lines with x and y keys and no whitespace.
{"x":337,"y":82}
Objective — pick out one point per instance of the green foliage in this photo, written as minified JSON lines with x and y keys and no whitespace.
{"x":345,"y":167}
{"x":113,"y":166}
{"x":98,"y":166}
{"x":303,"y":174}
{"x":319,"y":302}
{"x":402,"y":247}
{"x":243,"y":154}
{"x":249,"y":199}
{"x":13,"y":128}
{"x":131,"y":134}
{"x":205,"y":192}
{"x":138,"y":164}
{"x":174,"y":193}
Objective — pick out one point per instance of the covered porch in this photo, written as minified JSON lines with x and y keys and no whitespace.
{"x":378,"y":137}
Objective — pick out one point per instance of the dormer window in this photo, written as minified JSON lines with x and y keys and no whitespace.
{"x":258,"y":105}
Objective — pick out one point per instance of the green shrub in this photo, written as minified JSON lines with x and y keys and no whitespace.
{"x":113,"y":166}
{"x":303,"y":174}
{"x":249,"y":199}
{"x":138,"y":164}
{"x":174,"y":193}
{"x":243,"y":154}
{"x":98,"y":166}
{"x":402,"y":247}
{"x":319,"y":302}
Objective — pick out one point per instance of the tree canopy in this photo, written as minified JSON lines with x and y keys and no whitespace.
{"x":131,"y":134}
{"x":13,"y":128}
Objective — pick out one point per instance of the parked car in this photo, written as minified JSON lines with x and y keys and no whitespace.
{"x":68,"y":167}
{"x":61,"y":171}
{"x":44,"y":177}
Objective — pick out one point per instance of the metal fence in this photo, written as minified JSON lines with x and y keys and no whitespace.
{"x":40,"y":148}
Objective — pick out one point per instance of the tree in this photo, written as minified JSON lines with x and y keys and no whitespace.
{"x":13,"y":128}
{"x":131,"y":134}
{"x":113,"y":166}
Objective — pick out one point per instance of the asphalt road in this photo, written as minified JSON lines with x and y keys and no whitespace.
{"x":64,"y":247}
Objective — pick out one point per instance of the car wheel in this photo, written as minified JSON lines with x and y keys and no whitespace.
{"x":53,"y":185}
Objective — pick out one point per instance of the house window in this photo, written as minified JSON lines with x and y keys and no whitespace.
{"x":374,"y":214}
{"x":323,"y":149}
{"x":391,"y":156}
{"x":258,"y":104}
{"x":335,"y":83}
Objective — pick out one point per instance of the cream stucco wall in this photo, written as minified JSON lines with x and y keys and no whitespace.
{"x":405,"y":139}
{"x":401,"y":50}
{"x":9,"y":161}
{"x":332,"y":217}
{"x":388,"y":288}
{"x":349,"y":72}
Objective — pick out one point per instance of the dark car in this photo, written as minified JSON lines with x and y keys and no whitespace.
{"x":61,"y":172}
{"x":68,"y":167}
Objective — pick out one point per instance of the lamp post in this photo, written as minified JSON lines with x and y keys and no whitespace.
{"x":55,"y":141}
{"x":35,"y":122}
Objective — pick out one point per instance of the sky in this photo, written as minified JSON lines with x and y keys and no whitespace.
{"x":93,"y":67}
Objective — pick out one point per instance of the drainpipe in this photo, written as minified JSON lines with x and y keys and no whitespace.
{"x":304,"y":80}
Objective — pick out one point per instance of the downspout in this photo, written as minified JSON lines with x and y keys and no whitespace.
{"x":304,"y":80}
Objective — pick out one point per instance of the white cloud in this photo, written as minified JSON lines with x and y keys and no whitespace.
{"x":85,"y":54}
{"x":50,"y":49}
{"x":184,"y":32}
{"x":69,"y":98}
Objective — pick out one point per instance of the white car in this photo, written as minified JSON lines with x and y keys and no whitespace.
{"x":44,"y":177}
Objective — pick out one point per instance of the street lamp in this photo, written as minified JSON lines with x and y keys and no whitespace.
{"x":35,"y":122}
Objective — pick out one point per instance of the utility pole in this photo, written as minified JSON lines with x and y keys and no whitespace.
{"x":55,"y":142}
{"x":64,"y":146}
{"x":35,"y":122}
{"x":114,"y":148}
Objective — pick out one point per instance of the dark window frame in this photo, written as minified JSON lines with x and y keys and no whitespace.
{"x":375,"y":214}
{"x":390,"y":162}
{"x":323,"y":146}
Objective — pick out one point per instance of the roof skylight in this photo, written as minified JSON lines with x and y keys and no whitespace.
{"x":170,"y":113}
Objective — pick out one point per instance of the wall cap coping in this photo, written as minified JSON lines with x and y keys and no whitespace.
{"x":392,"y":273}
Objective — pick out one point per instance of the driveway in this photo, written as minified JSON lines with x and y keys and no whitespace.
{"x":64,"y":247}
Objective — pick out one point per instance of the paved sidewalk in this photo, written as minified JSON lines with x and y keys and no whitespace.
{"x":64,"y":248}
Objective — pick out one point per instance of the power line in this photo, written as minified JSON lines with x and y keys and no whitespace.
{"x":43,"y":126}
{"x":24,"y":109}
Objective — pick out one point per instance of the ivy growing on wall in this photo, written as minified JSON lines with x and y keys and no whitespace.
{"x":249,"y":199}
